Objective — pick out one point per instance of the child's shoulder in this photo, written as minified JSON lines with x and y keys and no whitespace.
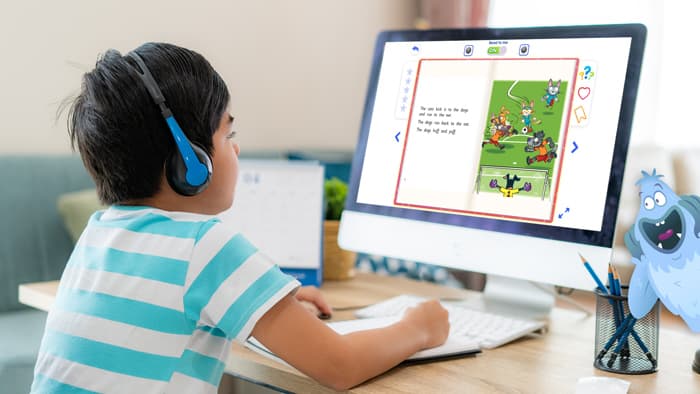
{"x":146,"y":221}
{"x":141,"y":212}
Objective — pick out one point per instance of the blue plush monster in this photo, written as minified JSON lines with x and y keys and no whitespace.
{"x":665,"y":247}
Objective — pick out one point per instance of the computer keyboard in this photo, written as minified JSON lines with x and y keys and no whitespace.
{"x":487,"y":329}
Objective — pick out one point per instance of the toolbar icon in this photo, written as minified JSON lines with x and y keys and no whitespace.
{"x":524,"y":50}
{"x":468,"y":50}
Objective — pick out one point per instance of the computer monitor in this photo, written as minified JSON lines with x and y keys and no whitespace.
{"x":494,"y":150}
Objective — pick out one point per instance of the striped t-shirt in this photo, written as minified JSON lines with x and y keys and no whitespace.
{"x":150,"y":301}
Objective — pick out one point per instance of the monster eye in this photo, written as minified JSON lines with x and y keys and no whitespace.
{"x":649,"y":203}
{"x":660,"y":199}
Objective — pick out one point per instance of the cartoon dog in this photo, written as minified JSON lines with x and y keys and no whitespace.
{"x":500,"y":127}
{"x":665,"y":247}
{"x":509,"y":190}
{"x":544,"y":147}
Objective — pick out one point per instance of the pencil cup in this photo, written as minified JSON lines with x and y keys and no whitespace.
{"x":622,"y":343}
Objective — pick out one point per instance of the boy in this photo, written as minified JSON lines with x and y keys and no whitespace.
{"x":157,"y":286}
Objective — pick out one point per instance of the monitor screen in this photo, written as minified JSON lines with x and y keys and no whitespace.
{"x":496,"y":150}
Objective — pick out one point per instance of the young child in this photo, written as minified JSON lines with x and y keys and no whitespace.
{"x":158,"y":286}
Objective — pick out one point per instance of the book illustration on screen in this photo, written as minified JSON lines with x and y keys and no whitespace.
{"x":451,"y":163}
{"x":519,"y":150}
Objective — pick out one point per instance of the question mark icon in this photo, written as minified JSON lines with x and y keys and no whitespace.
{"x":587,"y":70}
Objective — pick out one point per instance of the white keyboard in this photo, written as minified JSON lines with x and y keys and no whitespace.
{"x":487,"y":329}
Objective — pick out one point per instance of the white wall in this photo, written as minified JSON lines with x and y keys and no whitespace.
{"x":297,"y":70}
{"x":553,"y":12}
{"x":679,"y":86}
{"x":667,"y":98}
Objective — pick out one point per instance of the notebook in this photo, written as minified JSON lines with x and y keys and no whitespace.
{"x":453,"y":347}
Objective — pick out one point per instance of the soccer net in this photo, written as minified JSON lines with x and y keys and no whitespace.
{"x":539,"y":179}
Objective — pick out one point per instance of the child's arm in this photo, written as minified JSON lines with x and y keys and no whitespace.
{"x":344,"y":361}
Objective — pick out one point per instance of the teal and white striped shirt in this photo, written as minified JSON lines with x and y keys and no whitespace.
{"x":150,"y":301}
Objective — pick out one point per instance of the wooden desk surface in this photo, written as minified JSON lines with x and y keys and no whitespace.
{"x":544,"y":364}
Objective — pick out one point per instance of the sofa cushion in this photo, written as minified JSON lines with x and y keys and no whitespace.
{"x":20,"y":337}
{"x":76,"y":208}
{"x":34,"y":244}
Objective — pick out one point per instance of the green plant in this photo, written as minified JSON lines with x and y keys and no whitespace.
{"x":335,"y":191}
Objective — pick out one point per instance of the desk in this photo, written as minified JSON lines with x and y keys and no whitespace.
{"x":548,"y":364}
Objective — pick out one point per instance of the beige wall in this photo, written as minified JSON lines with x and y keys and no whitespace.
{"x":297,"y":70}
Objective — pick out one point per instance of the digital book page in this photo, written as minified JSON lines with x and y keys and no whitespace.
{"x":485,"y":137}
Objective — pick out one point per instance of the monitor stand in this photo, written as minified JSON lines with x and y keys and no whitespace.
{"x":515,"y":297}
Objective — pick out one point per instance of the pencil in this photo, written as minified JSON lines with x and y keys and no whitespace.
{"x":615,"y":305}
{"x":617,"y":290}
{"x":610,"y":278}
{"x":622,"y":342}
{"x":635,"y":336}
{"x":618,"y":331}
{"x":595,"y":277}
{"x":643,"y":346}
{"x":616,"y":280}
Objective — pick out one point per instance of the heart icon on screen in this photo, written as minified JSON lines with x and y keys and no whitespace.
{"x":584,"y":92}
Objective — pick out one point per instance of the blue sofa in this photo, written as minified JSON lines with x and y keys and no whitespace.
{"x":34,"y":246}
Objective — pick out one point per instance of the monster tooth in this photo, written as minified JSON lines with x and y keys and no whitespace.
{"x":660,"y":246}
{"x":679,"y":235}
{"x":663,"y":222}
{"x":658,"y":224}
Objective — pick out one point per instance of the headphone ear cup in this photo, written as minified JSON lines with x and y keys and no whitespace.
{"x":176,"y":171}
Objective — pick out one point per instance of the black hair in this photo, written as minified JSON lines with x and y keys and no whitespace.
{"x":118,"y":129}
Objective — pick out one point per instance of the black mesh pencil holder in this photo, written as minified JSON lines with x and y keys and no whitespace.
{"x":622,"y":343}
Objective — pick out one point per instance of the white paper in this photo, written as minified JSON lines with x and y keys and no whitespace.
{"x":601,"y":385}
{"x":454,"y":345}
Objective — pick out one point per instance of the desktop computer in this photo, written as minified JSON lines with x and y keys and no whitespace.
{"x":494,"y":150}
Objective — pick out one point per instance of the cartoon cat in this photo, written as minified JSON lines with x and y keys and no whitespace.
{"x":552,"y":93}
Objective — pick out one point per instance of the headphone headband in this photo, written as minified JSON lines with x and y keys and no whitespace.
{"x":196,"y":171}
{"x":145,"y":74}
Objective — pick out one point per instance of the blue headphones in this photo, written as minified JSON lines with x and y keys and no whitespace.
{"x":188,"y":169}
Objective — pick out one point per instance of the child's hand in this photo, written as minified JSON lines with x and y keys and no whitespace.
{"x":313,"y":300}
{"x":431,"y":318}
